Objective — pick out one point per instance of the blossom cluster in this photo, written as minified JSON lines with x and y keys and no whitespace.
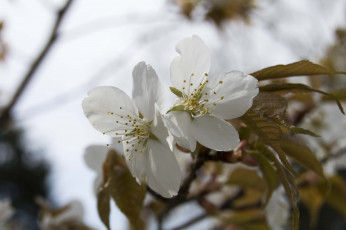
{"x":199,"y":114}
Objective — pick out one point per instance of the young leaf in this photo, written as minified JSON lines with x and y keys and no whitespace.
{"x":253,"y":180}
{"x":290,"y":87}
{"x":272,"y":107}
{"x":303,"y":131}
{"x":269,"y":132}
{"x":340,"y":94}
{"x":250,"y":219}
{"x":103,"y":206}
{"x":313,"y":200}
{"x":300,"y":68}
{"x":336,"y":197}
{"x":302,"y":155}
{"x":268,"y":172}
{"x":176,"y":91}
{"x":286,"y":179}
{"x":123,"y":188}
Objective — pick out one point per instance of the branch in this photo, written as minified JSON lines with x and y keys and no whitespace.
{"x":338,"y":154}
{"x":6,"y":112}
{"x":228,"y":204}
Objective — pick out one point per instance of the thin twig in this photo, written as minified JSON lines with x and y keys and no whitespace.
{"x":6,"y":112}
{"x":338,"y":154}
{"x":228,"y":204}
{"x":192,"y":221}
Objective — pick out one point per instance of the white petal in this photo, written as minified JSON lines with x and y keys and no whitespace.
{"x":136,"y":161}
{"x":105,"y":105}
{"x":160,"y":130}
{"x":147,"y":90}
{"x":95,"y":155}
{"x":214,"y":133}
{"x":179,"y":125}
{"x":162,"y":171}
{"x":232,"y":94}
{"x":194,"y":60}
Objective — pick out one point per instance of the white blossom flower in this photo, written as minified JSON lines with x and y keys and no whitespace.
{"x":139,"y":125}
{"x":94,"y":157}
{"x":204,"y":103}
{"x":277,"y":210}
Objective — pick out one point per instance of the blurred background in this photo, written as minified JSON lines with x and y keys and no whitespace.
{"x":48,"y":65}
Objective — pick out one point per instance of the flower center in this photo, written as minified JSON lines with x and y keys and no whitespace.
{"x":197,"y":100}
{"x":134,"y":131}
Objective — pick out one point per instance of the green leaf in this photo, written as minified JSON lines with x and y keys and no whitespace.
{"x":302,"y":155}
{"x":303,"y":131}
{"x":300,"y":68}
{"x":250,"y":219}
{"x":272,"y":107}
{"x":287,"y":180}
{"x":103,"y":206}
{"x":336,"y":197}
{"x":290,"y":87}
{"x":253,"y":180}
{"x":123,"y":188}
{"x":176,"y":91}
{"x":268,"y":172}
{"x":269,"y":132}
{"x":340,"y":94}
{"x":177,"y":108}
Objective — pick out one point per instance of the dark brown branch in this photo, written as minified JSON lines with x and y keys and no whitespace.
{"x":203,"y":156}
{"x":6,"y":112}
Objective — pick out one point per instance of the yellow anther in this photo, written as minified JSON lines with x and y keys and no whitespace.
{"x":121,"y":116}
{"x":141,"y":151}
{"x":133,"y":145}
{"x":103,"y":133}
{"x":206,"y":81}
{"x":119,"y":142}
{"x":222,"y":97}
{"x":192,"y":74}
{"x":127,"y":150}
{"x":116,"y":121}
{"x":205,"y":74}
{"x":116,"y":133}
{"x":112,"y":113}
{"x":205,"y":93}
{"x":136,"y":150}
{"x":121,"y":107}
{"x":220,"y":82}
{"x":127,"y":142}
{"x":183,"y":87}
{"x":184,"y":81}
{"x":214,"y":104}
{"x":191,"y":84}
{"x":107,"y":144}
{"x":125,"y":130}
{"x":214,"y":92}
